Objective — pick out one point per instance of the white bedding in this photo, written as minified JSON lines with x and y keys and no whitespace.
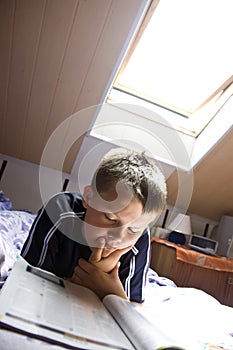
{"x":190,"y":316}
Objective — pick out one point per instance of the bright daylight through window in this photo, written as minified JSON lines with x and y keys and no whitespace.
{"x":181,"y":60}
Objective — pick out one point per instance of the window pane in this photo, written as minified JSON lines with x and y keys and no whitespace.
{"x":185,"y":54}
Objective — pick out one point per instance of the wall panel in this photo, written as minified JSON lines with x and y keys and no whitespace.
{"x":26,"y":24}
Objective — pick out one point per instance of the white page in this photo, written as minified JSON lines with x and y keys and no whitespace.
{"x":142,"y":333}
{"x":43,"y":304}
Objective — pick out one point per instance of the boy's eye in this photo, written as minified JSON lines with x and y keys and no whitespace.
{"x":133,"y":231}
{"x":110,"y":218}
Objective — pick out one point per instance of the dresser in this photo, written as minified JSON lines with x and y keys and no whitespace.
{"x":189,"y":268}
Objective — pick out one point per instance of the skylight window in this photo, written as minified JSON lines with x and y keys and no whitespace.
{"x":183,"y":61}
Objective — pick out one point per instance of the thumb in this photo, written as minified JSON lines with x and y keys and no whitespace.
{"x":96,"y":254}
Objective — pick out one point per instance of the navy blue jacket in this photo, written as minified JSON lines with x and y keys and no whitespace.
{"x":55,"y":244}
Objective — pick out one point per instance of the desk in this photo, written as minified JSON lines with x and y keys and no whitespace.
{"x":188,"y":268}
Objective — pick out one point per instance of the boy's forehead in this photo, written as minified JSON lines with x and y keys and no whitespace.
{"x":114,"y":200}
{"x":127,"y":208}
{"x":143,"y":220}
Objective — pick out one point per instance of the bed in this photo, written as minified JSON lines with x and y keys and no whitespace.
{"x":14,"y":228}
{"x":190,"y":314}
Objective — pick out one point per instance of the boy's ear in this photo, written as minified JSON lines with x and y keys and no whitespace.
{"x":87,"y":195}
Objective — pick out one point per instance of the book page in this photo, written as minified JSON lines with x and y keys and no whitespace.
{"x":41,"y":304}
{"x":142,"y":333}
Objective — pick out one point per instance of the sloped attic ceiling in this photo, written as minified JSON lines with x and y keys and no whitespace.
{"x":56,"y":59}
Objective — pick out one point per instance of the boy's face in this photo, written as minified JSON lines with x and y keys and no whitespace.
{"x":119,"y":228}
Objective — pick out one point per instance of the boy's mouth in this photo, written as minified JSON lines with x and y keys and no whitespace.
{"x":109,"y":247}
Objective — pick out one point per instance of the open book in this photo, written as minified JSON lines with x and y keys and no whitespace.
{"x":42,"y":305}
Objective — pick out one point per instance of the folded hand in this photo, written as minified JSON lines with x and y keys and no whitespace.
{"x":102,"y":283}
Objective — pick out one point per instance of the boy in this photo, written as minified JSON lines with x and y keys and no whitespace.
{"x":101,"y":240}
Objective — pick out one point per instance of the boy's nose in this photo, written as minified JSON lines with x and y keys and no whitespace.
{"x":116,"y":234}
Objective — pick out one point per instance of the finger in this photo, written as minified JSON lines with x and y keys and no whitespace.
{"x":80,"y":272}
{"x":119,"y":252}
{"x":100,"y":242}
{"x":79,"y":268}
{"x":96,"y":254}
{"x":85,"y":266}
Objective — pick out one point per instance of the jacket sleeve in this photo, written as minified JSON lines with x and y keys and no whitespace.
{"x":44,"y":237}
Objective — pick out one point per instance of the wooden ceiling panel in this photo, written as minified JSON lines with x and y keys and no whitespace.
{"x":23,"y":39}
{"x":54,"y":36}
{"x":87,"y":29}
{"x":57,"y":57}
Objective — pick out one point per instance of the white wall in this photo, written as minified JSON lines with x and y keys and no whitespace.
{"x":21,"y":183}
